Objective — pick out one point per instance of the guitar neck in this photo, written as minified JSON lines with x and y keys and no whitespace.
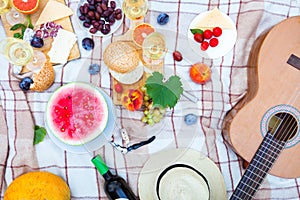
{"x":258,"y":168}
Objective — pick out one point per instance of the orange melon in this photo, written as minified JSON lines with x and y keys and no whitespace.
{"x":25,"y":6}
{"x":140,"y":32}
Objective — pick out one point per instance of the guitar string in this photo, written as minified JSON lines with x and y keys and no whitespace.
{"x":246,"y":192}
{"x":272,"y":152}
{"x":285,"y":137}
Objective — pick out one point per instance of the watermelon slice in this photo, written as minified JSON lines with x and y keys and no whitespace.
{"x":76,"y":113}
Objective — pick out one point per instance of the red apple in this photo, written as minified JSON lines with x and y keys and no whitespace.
{"x":200,"y":73}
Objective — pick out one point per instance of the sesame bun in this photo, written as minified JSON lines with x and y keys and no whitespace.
{"x":121,"y":56}
{"x":43,"y":79}
{"x":38,"y":185}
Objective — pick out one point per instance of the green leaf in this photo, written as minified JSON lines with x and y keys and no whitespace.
{"x":17,"y":26}
{"x":39,"y":134}
{"x":164,"y":93}
{"x":196,"y":30}
{"x":29,"y":22}
{"x":18,"y":35}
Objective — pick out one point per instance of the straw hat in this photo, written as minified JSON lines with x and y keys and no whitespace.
{"x":181,"y":174}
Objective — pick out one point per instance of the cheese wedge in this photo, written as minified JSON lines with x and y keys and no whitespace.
{"x":61,"y":46}
{"x":53,"y":10}
{"x":213,"y":19}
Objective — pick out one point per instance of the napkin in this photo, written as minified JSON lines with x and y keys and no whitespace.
{"x":17,"y":155}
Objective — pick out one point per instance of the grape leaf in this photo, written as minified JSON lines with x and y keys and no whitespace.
{"x":164,"y":93}
{"x":39,"y":134}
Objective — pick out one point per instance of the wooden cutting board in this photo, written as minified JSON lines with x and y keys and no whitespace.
{"x":117,"y":96}
{"x":65,"y":23}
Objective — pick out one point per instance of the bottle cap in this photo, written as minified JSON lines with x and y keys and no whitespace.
{"x":100,"y":164}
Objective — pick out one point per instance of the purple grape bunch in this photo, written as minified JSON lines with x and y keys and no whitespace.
{"x":99,"y":15}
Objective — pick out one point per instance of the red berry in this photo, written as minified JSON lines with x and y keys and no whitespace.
{"x":198,"y":37}
{"x":118,"y":88}
{"x":217,"y":31}
{"x":177,"y":56}
{"x":204,"y":45}
{"x":207,"y":34}
{"x":214,"y":42}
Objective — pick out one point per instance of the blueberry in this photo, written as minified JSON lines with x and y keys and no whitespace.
{"x":94,"y":69}
{"x":190,"y":119}
{"x":25,"y":83}
{"x":88,"y":44}
{"x":37,"y":42}
{"x":162,"y":18}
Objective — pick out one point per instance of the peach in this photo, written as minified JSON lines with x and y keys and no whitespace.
{"x":200,"y":73}
{"x":132,"y":99}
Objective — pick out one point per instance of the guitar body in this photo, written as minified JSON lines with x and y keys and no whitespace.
{"x":273,"y":89}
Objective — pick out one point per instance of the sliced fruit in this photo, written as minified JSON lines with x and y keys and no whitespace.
{"x":140,"y":32}
{"x":26,"y":6}
{"x":76,"y":113}
{"x":132,"y":99}
{"x":200,"y":73}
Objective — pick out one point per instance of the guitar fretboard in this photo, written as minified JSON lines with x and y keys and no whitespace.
{"x":258,"y":168}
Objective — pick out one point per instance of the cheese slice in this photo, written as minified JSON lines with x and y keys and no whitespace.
{"x":61,"y":46}
{"x":54,"y":10}
{"x":214,"y":18}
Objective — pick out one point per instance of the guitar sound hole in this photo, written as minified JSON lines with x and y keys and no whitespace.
{"x":283,"y":126}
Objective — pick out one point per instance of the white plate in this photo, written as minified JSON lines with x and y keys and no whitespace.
{"x":226,"y":40}
{"x":96,"y":143}
{"x":113,"y":28}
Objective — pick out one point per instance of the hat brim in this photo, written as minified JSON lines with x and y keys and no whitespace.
{"x":157,"y":163}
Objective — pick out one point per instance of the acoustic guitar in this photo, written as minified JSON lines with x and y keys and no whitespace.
{"x":263,"y":128}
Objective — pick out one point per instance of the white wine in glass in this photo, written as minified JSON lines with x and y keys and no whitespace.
{"x":154,"y":48}
{"x":4,"y":6}
{"x":17,"y":51}
{"x":135,"y":9}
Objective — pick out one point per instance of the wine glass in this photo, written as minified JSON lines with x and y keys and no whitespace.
{"x":135,"y":10}
{"x":14,"y":17}
{"x":17,"y":51}
{"x":154,"y":48}
{"x":4,"y":6}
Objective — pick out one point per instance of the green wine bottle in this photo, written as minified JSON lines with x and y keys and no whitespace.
{"x":115,"y":186}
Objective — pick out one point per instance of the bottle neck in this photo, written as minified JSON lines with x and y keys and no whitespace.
{"x":102,"y":167}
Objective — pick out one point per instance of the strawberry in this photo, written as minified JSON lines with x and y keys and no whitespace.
{"x":204,"y":45}
{"x":217,"y":31}
{"x":207,"y":34}
{"x":198,"y":37}
{"x":213,"y":42}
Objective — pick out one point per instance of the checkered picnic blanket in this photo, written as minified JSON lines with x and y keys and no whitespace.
{"x":19,"y":111}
